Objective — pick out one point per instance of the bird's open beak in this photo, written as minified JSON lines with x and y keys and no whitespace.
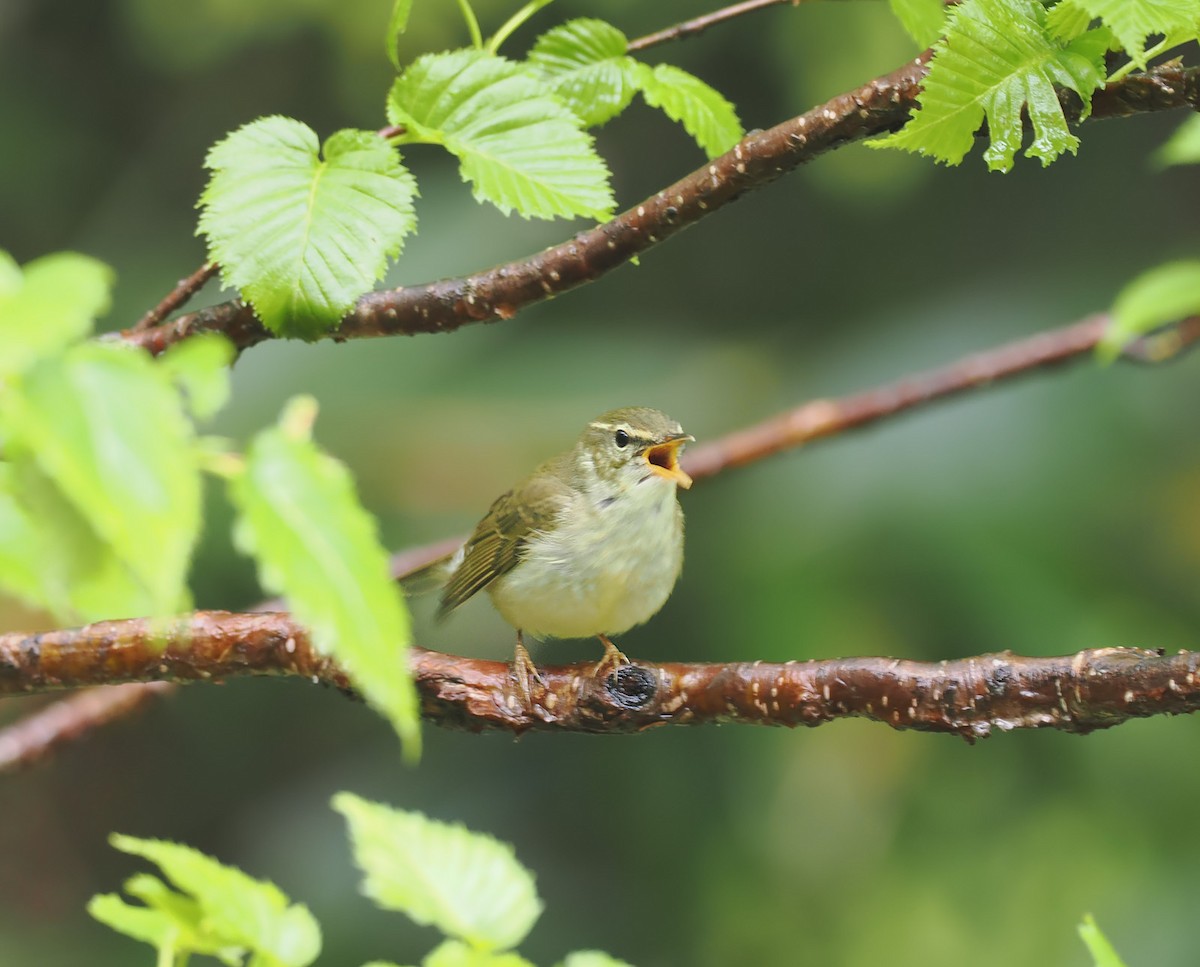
{"x":663,"y":459}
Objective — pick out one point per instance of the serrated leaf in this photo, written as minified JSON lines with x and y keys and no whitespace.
{"x":200,"y":366}
{"x":1162,"y":295}
{"x":396,"y":25}
{"x":235,"y":909}
{"x":48,"y":305}
{"x":922,"y":19}
{"x":585,"y":64}
{"x":1066,"y":20}
{"x":592,"y":958}
{"x":455,"y":953}
{"x":1133,"y":21}
{"x":517,"y":144}
{"x":1183,"y":147}
{"x":704,"y":113}
{"x":300,"y":235}
{"x":997,"y":60}
{"x":1098,"y":945}
{"x":299,"y":517}
{"x":468,"y":885}
{"x":106,"y":429}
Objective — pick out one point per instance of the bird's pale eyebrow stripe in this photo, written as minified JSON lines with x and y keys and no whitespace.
{"x":605,"y":426}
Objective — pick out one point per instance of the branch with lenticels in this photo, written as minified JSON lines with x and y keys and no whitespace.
{"x":757,"y":160}
{"x":1093,"y":689}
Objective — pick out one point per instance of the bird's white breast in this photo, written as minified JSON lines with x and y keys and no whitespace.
{"x":607,"y":565}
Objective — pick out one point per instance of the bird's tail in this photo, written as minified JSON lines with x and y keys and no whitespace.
{"x":425,"y":569}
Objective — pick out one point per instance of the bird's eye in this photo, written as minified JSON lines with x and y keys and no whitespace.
{"x":622,"y":438}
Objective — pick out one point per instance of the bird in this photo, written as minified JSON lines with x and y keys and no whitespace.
{"x":590,"y":544}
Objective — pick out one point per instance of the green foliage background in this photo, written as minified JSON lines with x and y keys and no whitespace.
{"x":1045,"y":517}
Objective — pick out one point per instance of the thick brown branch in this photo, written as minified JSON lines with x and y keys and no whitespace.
{"x":761,"y":157}
{"x":811,"y":421}
{"x":1093,"y":689}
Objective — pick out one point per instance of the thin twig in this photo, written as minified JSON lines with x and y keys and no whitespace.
{"x":177,"y":297}
{"x":35,"y":736}
{"x":697,"y":25}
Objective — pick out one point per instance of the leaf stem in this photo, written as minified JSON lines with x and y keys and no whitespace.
{"x":515,"y":21}
{"x":1121,"y":72}
{"x":472,"y":23}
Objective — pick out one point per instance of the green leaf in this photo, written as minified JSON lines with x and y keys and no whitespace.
{"x":1066,"y":20}
{"x":1097,"y":944}
{"x":1183,"y":147}
{"x":49,"y":305}
{"x":302,"y":236}
{"x":584,"y":61}
{"x":103,"y":425}
{"x":468,"y":885}
{"x":231,"y":908}
{"x":1132,"y":21}
{"x":21,"y":569}
{"x":314,"y":543}
{"x":455,"y":953}
{"x":396,"y":25}
{"x":140,"y":923}
{"x":592,"y":958}
{"x":704,"y":113}
{"x":517,"y":144}
{"x":200,"y":366}
{"x":995,"y":61}
{"x":922,"y":19}
{"x":1162,"y":295}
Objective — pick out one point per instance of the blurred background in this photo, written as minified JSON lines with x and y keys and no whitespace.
{"x":1046,"y":516}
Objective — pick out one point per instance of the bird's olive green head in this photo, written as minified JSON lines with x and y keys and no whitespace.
{"x":632,"y":443}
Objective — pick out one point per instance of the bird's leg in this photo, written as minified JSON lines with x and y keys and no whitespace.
{"x":523,"y":669}
{"x":612,"y":659}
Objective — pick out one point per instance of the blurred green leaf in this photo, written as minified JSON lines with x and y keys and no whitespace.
{"x":592,"y":958}
{"x":299,"y":235}
{"x":396,"y":25}
{"x":49,"y":304}
{"x":1097,"y":944}
{"x":466,"y":884}
{"x":200,"y":365}
{"x":517,"y":144}
{"x":996,"y":61}
{"x":455,"y":953}
{"x":922,"y":19}
{"x":1155,"y":298}
{"x":1183,"y":146}
{"x":108,"y":431}
{"x":299,"y":517}
{"x":585,"y":63}
{"x":222,"y":907}
{"x":703,"y":112}
{"x":1132,"y":21}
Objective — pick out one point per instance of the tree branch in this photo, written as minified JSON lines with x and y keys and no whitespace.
{"x":178,"y":296}
{"x":762,"y":156}
{"x":33,"y":737}
{"x":1094,"y":689}
{"x":697,"y":25}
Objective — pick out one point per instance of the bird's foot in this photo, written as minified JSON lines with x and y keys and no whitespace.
{"x":523,"y":672}
{"x":612,"y":659}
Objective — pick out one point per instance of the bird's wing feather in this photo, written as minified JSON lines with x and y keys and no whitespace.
{"x":496,"y":545}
